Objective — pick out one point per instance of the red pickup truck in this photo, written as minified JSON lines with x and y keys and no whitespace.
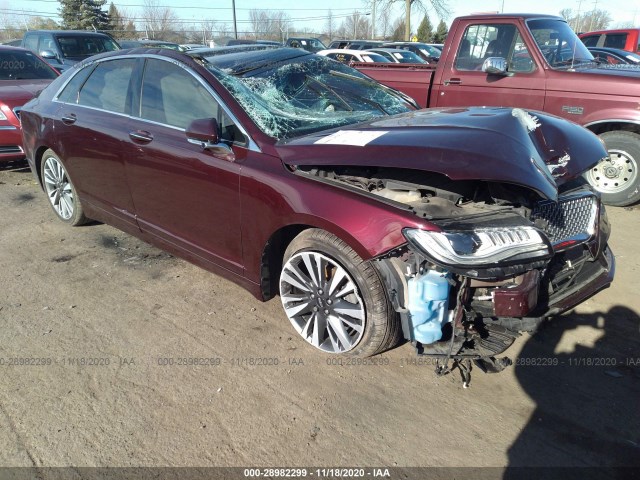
{"x":535,"y":62}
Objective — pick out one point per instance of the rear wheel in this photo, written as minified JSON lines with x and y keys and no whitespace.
{"x":616,"y":178}
{"x":62,"y":195}
{"x":334,"y":299}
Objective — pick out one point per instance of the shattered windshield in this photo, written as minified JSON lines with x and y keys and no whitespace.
{"x":309,"y":94}
{"x":559,"y":44}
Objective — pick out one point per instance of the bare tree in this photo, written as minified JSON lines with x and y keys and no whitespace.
{"x":385,"y":23}
{"x":158,"y":21}
{"x":356,"y":25}
{"x":398,"y":30}
{"x":439,"y":7}
{"x":13,"y":26}
{"x":268,"y":24}
{"x":587,"y":21}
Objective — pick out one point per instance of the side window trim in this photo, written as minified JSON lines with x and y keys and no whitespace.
{"x":56,"y":98}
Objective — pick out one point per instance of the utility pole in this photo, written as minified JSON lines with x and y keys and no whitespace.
{"x":373,"y":21}
{"x":593,"y":14}
{"x":407,"y":20}
{"x":235,"y":25}
{"x":578,"y":24}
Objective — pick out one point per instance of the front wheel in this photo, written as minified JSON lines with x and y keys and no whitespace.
{"x":335,"y":300}
{"x":62,"y":195}
{"x":616,"y":178}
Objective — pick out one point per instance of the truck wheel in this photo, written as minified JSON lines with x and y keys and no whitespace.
{"x":616,"y":178}
{"x":335,"y":300}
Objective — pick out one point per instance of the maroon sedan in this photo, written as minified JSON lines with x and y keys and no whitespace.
{"x":293,"y":174}
{"x":22,"y":75}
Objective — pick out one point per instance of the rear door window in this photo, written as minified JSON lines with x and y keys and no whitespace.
{"x":615,"y":40}
{"x":108,"y":86}
{"x":591,"y":40}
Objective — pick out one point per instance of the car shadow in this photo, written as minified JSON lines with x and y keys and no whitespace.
{"x":19,"y":166}
{"x":587,"y":396}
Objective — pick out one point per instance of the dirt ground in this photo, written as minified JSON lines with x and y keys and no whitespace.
{"x":96,"y":326}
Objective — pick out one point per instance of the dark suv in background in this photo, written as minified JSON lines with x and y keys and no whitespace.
{"x":62,"y":48}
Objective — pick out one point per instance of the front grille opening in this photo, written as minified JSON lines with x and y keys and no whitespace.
{"x":570,"y":218}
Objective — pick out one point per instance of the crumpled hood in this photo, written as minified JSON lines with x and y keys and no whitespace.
{"x":16,"y":93}
{"x":531,"y":149}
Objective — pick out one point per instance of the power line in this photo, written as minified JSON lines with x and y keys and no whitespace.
{"x":200,"y":8}
{"x":143,"y":19}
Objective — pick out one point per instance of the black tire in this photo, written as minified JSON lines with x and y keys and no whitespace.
{"x":382,"y":328}
{"x":617,"y":178}
{"x":61,"y":193}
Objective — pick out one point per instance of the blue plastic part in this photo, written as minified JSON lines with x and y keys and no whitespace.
{"x":428,"y":305}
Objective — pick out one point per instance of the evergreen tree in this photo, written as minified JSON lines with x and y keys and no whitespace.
{"x":425,"y":30}
{"x":441,"y":33}
{"x":116,"y":22}
{"x":84,"y":14}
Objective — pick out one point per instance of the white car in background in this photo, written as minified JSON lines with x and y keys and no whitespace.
{"x":347,"y":56}
{"x":396,"y":55}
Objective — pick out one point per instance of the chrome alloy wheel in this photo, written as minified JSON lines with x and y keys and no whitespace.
{"x":322,"y":302}
{"x":615,"y":173}
{"x":58,"y":188}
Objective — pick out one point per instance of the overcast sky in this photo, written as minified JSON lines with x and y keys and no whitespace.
{"x":305,"y":14}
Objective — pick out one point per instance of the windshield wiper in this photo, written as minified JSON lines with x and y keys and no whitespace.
{"x":575,"y":62}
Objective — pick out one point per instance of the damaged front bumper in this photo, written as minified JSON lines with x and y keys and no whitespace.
{"x":477,"y":311}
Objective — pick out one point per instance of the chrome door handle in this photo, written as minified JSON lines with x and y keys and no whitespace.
{"x":141,"y":136}
{"x":69,"y":119}
{"x":453,"y":81}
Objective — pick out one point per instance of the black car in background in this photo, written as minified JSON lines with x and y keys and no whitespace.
{"x":63,"y":48}
{"x":614,"y":56}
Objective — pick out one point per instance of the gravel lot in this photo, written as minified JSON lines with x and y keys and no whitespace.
{"x":105,"y":321}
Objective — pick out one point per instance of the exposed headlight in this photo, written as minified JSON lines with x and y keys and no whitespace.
{"x":484,"y":247}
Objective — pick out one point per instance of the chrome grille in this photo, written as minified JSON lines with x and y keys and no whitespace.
{"x":572,"y":217}
{"x":10,"y":149}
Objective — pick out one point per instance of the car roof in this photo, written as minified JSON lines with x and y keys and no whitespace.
{"x":618,"y":30}
{"x":343,"y":50}
{"x":12,"y":48}
{"x":525,"y":16}
{"x":237,"y":60}
{"x":386,"y":49}
{"x":609,"y":49}
{"x":233,"y":59}
{"x":71,"y":32}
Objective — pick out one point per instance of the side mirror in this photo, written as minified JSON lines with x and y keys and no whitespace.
{"x":495,"y":66}
{"x":48,"y":54}
{"x":205,"y":132}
